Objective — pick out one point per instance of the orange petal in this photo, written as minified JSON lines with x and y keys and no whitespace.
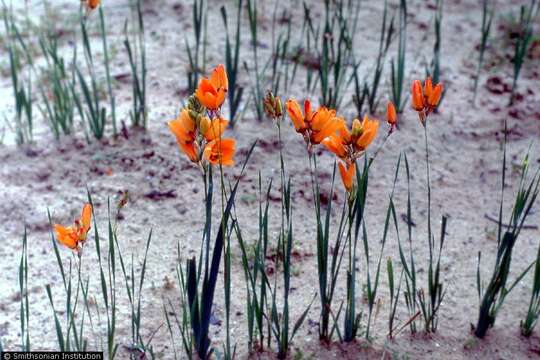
{"x":417,"y":96}
{"x":219,"y":78}
{"x":370,"y":128}
{"x":66,"y":236}
{"x":183,"y":127}
{"x":435,"y":97}
{"x":347,"y":175}
{"x":428,"y":87}
{"x":190,"y":150}
{"x":293,"y":109}
{"x":307,"y":111}
{"x":335,"y":144}
{"x":86,"y":217}
{"x":207,"y":94}
{"x":216,"y":129}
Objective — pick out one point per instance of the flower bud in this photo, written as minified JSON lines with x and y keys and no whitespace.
{"x":357,"y":128}
{"x":391,"y":116}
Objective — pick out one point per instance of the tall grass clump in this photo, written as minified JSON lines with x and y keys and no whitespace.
{"x":107,"y":60}
{"x":398,"y":66}
{"x":434,"y":69}
{"x":527,"y":17}
{"x":232,"y":58}
{"x":23,"y":288}
{"x":257,"y":92}
{"x":368,"y":91}
{"x":493,"y":294}
{"x":335,"y":50}
{"x":59,"y":107}
{"x":527,"y":326}
{"x":23,"y":124}
{"x":197,"y":52}
{"x":136,"y":50}
{"x":487,"y":18}
{"x":88,"y":98}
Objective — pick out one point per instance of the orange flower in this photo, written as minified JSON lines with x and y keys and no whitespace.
{"x":314,"y":126}
{"x":349,"y":145}
{"x":220,"y":151}
{"x":323,"y":124}
{"x":347,"y":175}
{"x":184,"y":128}
{"x":211,"y":92}
{"x":427,"y":99}
{"x":391,"y":115}
{"x":91,"y":4}
{"x":74,"y":236}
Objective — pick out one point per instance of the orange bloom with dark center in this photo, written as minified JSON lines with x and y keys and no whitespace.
{"x":74,"y":236}
{"x":351,"y":144}
{"x":426,"y":99}
{"x":347,"y":173}
{"x":184,"y":128}
{"x":220,"y":151}
{"x":211,"y":92}
{"x":314,"y":126}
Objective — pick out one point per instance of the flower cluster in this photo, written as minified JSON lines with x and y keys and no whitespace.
{"x":425,"y":100}
{"x":324,"y":127}
{"x":313,"y":126}
{"x":74,"y":236}
{"x":199,"y":126}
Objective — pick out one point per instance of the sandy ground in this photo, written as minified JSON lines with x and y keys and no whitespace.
{"x":166,"y":193}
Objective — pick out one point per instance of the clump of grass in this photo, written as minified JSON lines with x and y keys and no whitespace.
{"x":280,"y":319}
{"x":493,"y":295}
{"x":527,"y":326}
{"x":336,"y":50}
{"x":137,"y":60}
{"x":368,"y":92}
{"x":487,"y":18}
{"x":22,"y":87}
{"x":23,"y":288}
{"x":232,"y":57}
{"x":59,"y":107}
{"x":257,"y":93}
{"x":106,"y":59}
{"x":372,"y":285}
{"x":434,"y":69}
{"x":527,"y":16}
{"x":92,"y":112}
{"x":398,"y":69}
{"x":254,"y":265}
{"x":394,"y":295}
{"x":197,"y":61}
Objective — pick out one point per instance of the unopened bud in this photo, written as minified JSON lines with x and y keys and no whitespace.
{"x":204,"y":125}
{"x":195,"y":105}
{"x":273,"y":106}
{"x":357,"y":128}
